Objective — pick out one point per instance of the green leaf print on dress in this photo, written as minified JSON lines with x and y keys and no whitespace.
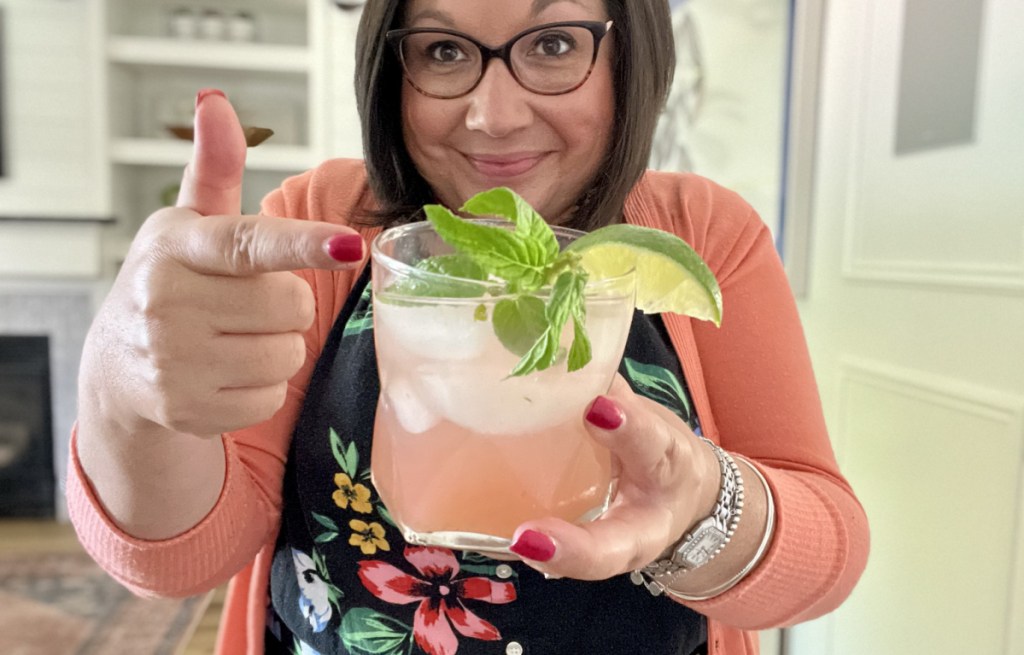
{"x":367,"y":632}
{"x":660,"y":385}
{"x":361,"y":319}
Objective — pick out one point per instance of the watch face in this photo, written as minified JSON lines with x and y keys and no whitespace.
{"x":704,"y":542}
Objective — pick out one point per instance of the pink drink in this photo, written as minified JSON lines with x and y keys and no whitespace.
{"x":487,"y":486}
{"x":463,"y":453}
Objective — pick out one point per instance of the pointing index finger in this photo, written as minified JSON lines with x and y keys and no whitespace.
{"x":249,"y":245}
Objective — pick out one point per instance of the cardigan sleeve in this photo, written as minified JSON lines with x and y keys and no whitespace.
{"x":247,"y":513}
{"x":763,"y":396}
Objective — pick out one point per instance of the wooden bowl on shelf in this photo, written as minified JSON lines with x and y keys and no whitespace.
{"x":253,"y":135}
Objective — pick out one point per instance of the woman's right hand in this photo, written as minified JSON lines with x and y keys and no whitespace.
{"x":203,"y":327}
{"x":199,"y":335}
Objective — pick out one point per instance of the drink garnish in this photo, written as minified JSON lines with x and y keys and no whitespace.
{"x":671,"y":276}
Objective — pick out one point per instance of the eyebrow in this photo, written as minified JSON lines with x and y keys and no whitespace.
{"x":541,"y":5}
{"x":439,"y":16}
{"x":446,"y":18}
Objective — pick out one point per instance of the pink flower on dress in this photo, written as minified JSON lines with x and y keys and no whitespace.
{"x":440,"y":594}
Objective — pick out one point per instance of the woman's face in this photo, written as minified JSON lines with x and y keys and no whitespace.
{"x":546,"y":148}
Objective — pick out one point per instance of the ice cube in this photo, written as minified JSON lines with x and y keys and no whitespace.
{"x":446,"y":332}
{"x":409,"y":407}
{"x":486,"y":401}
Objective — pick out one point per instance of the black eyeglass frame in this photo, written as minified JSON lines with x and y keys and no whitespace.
{"x":597,"y":29}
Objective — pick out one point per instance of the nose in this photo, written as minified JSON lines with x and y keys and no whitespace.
{"x":498,"y":106}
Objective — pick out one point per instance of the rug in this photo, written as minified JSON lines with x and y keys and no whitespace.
{"x":64,"y":604}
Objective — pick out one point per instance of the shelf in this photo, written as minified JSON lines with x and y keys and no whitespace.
{"x":147,"y":51}
{"x":165,"y":152}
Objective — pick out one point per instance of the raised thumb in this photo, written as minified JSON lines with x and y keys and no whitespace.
{"x":212,"y":183}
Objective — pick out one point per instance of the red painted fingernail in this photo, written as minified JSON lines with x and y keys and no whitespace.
{"x":345,"y":247}
{"x":534,"y":545}
{"x":605,"y":414}
{"x":204,"y":93}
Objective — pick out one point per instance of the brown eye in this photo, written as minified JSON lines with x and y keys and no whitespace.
{"x":553,"y":44}
{"x":446,"y":52}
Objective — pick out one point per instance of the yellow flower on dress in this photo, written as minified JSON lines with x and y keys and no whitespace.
{"x":368,"y":536}
{"x":347,"y":492}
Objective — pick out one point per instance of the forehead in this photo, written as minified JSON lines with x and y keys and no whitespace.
{"x":497,"y":17}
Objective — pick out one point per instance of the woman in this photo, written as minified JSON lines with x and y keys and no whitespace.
{"x":218,"y":389}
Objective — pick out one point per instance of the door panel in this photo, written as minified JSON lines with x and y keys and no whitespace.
{"x":915,"y":319}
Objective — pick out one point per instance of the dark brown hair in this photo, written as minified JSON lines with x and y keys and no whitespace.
{"x":643,"y":68}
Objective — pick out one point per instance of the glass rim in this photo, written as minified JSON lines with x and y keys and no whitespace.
{"x":592,"y":288}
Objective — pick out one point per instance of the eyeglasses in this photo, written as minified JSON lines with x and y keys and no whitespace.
{"x":549,"y":59}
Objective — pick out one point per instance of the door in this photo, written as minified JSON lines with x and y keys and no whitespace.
{"x":914,"y":313}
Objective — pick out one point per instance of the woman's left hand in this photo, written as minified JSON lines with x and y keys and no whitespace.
{"x":667,"y":481}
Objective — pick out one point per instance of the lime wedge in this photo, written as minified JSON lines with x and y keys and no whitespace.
{"x":671,"y":276}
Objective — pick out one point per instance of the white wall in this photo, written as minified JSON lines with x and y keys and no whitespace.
{"x":915,"y":317}
{"x":53,"y":138}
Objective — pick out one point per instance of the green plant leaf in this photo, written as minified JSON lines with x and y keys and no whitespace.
{"x":581,"y":352}
{"x":498,"y":251}
{"x":457,"y":265}
{"x":530,"y":225}
{"x":519,"y":322}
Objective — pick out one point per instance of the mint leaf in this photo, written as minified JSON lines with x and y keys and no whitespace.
{"x":566,"y":300}
{"x":498,"y":251}
{"x":542,"y":355}
{"x":457,"y":265}
{"x":519,"y":323}
{"x":527,"y":258}
{"x":580,"y":352}
{"x":455,"y":268}
{"x":530,"y":225}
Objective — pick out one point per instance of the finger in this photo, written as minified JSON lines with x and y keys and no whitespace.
{"x":212,"y":183}
{"x":624,"y":539}
{"x":269,"y":359}
{"x":646,"y":446}
{"x":248,"y":245}
{"x":260,"y":304}
{"x":235,"y":409}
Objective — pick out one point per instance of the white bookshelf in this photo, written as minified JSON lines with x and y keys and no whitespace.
{"x":251,"y":57}
{"x":294,"y":77}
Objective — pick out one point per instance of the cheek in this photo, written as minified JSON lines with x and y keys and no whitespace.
{"x":425,"y":124}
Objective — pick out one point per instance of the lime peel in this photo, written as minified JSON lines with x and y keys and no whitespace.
{"x":671,"y":276}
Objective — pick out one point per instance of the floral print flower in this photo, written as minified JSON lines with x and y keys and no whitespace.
{"x":348,"y":493}
{"x":440,"y":593}
{"x":314,"y":594}
{"x":367,"y":536}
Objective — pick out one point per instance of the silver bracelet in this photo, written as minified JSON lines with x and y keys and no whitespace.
{"x":704,"y":540}
{"x":769,"y":531}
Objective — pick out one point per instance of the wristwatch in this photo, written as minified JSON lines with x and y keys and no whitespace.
{"x":707,"y":537}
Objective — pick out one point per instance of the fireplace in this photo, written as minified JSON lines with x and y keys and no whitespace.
{"x":42,"y":330}
{"x":27,"y":480}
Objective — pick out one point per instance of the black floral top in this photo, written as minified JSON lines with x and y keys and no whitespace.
{"x":343,"y":581}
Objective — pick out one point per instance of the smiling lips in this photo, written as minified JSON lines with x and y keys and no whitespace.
{"x":504,"y":166}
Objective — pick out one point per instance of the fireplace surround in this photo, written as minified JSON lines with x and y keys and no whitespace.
{"x":59,"y":314}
